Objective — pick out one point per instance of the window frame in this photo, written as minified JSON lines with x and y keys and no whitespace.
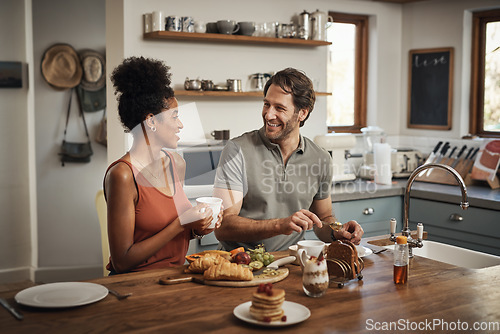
{"x":360,"y":70}
{"x":476,"y":121}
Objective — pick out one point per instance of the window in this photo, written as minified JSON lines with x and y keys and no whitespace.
{"x":485,"y":74}
{"x":347,"y":72}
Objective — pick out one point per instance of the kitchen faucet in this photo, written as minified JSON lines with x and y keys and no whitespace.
{"x":406,"y":229}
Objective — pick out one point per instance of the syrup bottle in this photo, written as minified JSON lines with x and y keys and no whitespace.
{"x":401,"y":260}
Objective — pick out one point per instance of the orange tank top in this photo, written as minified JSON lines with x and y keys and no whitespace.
{"x":153,"y":212}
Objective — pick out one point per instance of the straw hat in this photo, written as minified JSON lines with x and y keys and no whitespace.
{"x":94,"y":70}
{"x":61,"y":66}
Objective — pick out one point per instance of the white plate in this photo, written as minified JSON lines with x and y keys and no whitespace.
{"x":363,"y":251}
{"x":294,"y":312}
{"x":64,"y":294}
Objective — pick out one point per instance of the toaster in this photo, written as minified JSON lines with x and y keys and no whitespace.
{"x":403,"y":162}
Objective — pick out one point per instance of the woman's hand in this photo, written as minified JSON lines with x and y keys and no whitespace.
{"x":207,"y":230}
{"x":198,"y":217}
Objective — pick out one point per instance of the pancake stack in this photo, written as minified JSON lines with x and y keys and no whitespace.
{"x":267,"y":302}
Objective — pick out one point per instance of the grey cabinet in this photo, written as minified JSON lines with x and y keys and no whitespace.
{"x":475,"y":228}
{"x":372,"y":214}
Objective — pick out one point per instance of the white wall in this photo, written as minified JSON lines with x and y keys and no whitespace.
{"x":68,"y":230}
{"x":441,"y":24}
{"x":219,"y":62}
{"x":15,"y":238}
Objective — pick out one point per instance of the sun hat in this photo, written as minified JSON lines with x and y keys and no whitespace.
{"x":61,"y":66}
{"x":94,"y":70}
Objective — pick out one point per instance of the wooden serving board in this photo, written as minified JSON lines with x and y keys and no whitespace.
{"x":198,"y":278}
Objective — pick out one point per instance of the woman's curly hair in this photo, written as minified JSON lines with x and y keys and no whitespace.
{"x":142,"y":86}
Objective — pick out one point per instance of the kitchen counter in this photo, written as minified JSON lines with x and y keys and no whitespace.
{"x":436,"y":294}
{"x":479,"y":196}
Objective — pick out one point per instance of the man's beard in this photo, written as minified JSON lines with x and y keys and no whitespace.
{"x":287,"y":128}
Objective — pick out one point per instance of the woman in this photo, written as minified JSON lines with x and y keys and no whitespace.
{"x":150,"y":219}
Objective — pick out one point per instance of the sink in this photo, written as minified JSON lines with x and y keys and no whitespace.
{"x":457,"y":256}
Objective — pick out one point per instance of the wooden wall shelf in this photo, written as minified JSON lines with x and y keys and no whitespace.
{"x":220,"y":38}
{"x":227,"y":93}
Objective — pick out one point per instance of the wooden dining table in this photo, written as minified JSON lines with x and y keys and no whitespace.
{"x":436,"y":295}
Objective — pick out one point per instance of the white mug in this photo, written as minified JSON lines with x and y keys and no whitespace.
{"x":308,"y":248}
{"x":215,"y":204}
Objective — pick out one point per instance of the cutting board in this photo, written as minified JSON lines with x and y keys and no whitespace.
{"x":198,"y":278}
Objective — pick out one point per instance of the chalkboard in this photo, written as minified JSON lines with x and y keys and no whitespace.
{"x":430,"y":88}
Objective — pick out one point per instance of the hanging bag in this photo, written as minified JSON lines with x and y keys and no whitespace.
{"x":71,"y":151}
{"x":102,"y":132}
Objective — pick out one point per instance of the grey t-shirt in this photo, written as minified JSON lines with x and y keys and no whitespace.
{"x":254,"y":166}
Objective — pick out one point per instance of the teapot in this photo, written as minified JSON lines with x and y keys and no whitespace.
{"x":258,"y":81}
{"x":192,"y":84}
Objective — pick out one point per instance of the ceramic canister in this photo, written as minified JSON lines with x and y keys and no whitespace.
{"x":187,"y":24}
{"x":174,"y":23}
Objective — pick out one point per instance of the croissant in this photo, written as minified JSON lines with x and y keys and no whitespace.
{"x":203,"y":263}
{"x":228,"y":271}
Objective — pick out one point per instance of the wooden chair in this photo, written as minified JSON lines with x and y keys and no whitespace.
{"x":100,"y":204}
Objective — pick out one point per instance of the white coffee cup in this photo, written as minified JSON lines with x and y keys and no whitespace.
{"x":215,"y":204}
{"x":308,"y":248}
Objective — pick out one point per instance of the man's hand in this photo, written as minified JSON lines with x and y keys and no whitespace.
{"x":302,"y":220}
{"x":351,"y":231}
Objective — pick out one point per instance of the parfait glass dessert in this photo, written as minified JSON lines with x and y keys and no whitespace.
{"x":315,"y":276}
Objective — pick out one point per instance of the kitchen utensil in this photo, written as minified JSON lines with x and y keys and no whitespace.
{"x":212,"y":28}
{"x":192,"y":84}
{"x":174,"y":23}
{"x":200,"y":27}
{"x":220,"y":134}
{"x":319,"y":21}
{"x":214,"y":203}
{"x":147,"y":22}
{"x":432,"y":156}
{"x":459,"y":154}
{"x":308,"y":248}
{"x":452,"y":151}
{"x":276,"y":264}
{"x":61,"y":294}
{"x":220,"y":87}
{"x":227,"y":27}
{"x":440,"y":157}
{"x":207,"y":85}
{"x":474,"y":153}
{"x":246,"y":28}
{"x":234,"y":85}
{"x":258,"y":81}
{"x":11,"y":309}
{"x":118,"y":295}
{"x":336,"y":226}
{"x":187,"y":23}
{"x":281,"y":274}
{"x":157,"y":23}
{"x":295,"y":313}
{"x":304,"y":28}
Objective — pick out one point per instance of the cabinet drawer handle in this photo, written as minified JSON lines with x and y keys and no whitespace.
{"x":455,"y":217}
{"x":368,"y":211}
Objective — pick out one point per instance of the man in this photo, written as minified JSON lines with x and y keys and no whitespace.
{"x":275,"y":183}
